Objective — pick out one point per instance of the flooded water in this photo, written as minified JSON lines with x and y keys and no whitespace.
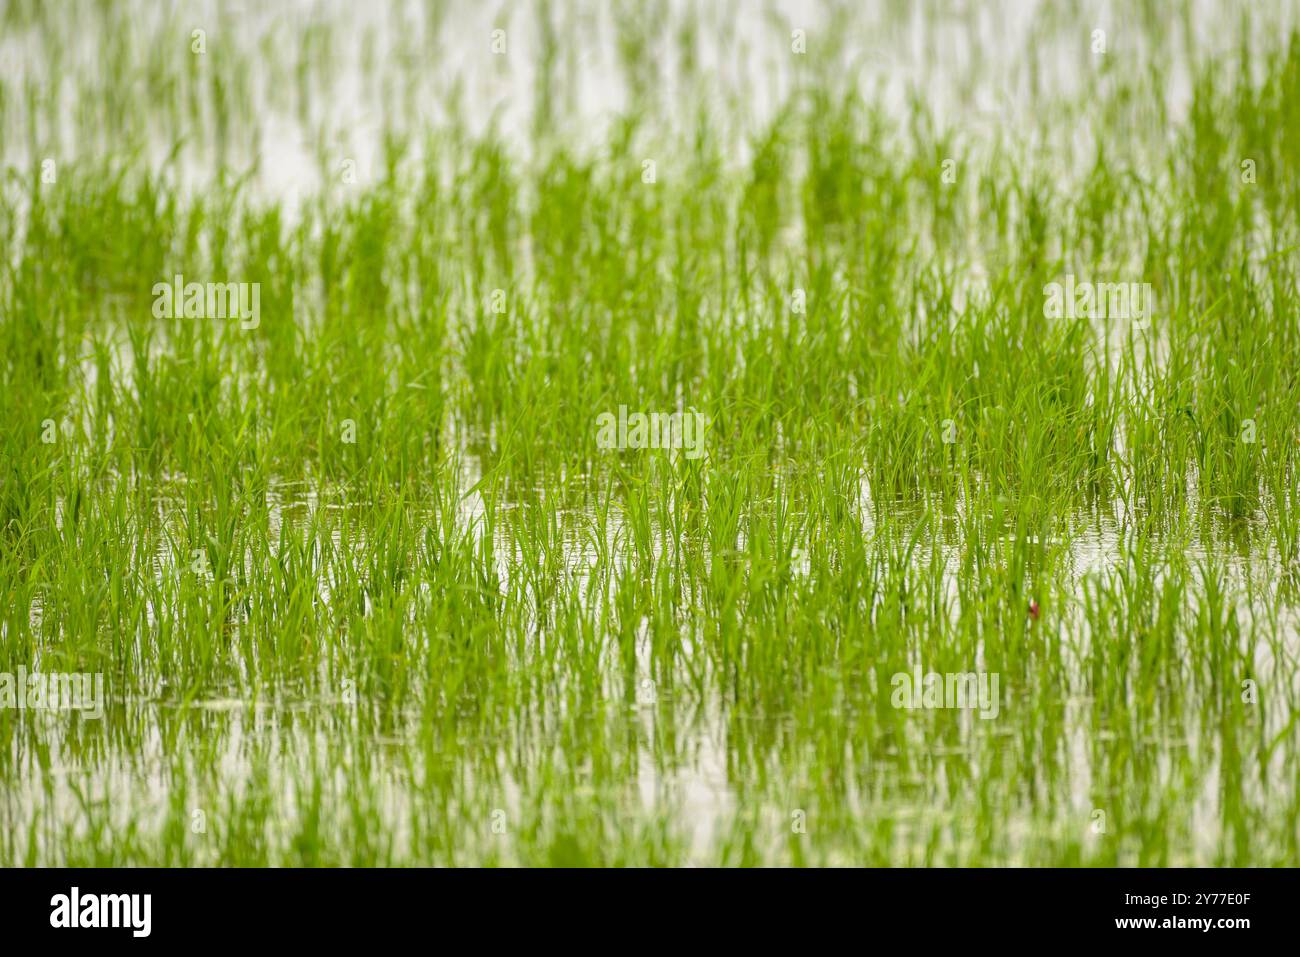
{"x":578,"y":722}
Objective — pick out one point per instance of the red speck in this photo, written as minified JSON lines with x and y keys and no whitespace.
{"x":1033,"y":610}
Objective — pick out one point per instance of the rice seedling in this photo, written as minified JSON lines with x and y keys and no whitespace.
{"x":945,"y":575}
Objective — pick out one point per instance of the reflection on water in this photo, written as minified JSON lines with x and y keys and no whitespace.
{"x":608,"y":711}
{"x":641,"y":744}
